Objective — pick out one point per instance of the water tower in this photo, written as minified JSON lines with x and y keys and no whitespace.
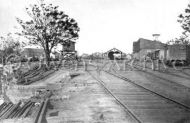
{"x":156,"y":36}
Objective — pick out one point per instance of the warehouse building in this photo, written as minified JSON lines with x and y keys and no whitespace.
{"x":142,"y":47}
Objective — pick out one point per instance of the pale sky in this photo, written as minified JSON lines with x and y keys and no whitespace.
{"x":105,"y":24}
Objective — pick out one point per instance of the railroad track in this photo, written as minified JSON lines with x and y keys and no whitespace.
{"x":16,"y":111}
{"x":139,"y":67}
{"x":10,"y":110}
{"x":187,"y":76}
{"x":40,"y":114}
{"x":29,"y":108}
{"x":118,"y":100}
{"x":144,"y":105}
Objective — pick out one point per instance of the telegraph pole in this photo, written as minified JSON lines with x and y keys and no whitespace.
{"x":1,"y":74}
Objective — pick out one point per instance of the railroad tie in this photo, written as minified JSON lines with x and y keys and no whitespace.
{"x":2,"y":106}
{"x":16,"y":110}
{"x":8,"y":107}
{"x":19,"y":112}
{"x":10,"y":111}
{"x":25,"y":113}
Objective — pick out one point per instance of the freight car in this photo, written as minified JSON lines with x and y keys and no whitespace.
{"x":178,"y":53}
{"x":156,"y":50}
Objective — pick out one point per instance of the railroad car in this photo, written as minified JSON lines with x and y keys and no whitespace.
{"x":156,"y":50}
{"x":179,"y":53}
{"x":176,"y":52}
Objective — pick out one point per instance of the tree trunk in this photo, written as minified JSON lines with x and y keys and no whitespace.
{"x":47,"y":53}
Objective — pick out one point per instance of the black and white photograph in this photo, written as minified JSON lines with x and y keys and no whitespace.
{"x":94,"y":61}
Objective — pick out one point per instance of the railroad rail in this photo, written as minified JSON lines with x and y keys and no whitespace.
{"x":143,"y":104}
{"x":139,"y":67}
{"x":133,"y":82}
{"x":117,"y":99}
{"x":41,"y":112}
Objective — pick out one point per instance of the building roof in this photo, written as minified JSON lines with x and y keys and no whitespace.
{"x":68,"y":42}
{"x":143,"y":39}
{"x":150,"y":44}
{"x":34,"y":50}
{"x":114,"y":50}
{"x":147,"y":40}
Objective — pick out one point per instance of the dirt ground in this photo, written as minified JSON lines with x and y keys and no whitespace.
{"x":83,"y":100}
{"x":23,"y":92}
{"x":76,"y":98}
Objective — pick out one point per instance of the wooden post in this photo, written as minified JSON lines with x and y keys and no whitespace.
{"x":132,"y":63}
{"x":144,"y":65}
{"x":85,"y":66}
{"x":163,"y":62}
{"x":124,"y":65}
{"x":1,"y":83}
{"x":76,"y":66}
{"x":158,"y":65}
{"x":153,"y":65}
{"x":26,"y":81}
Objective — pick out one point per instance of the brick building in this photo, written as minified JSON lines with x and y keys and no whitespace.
{"x":144,"y":46}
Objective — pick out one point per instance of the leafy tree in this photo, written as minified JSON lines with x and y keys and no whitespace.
{"x":184,"y":20}
{"x":180,"y":40}
{"x":48,"y":27}
{"x":10,"y":45}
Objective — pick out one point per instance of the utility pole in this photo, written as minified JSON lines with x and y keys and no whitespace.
{"x":1,"y":75}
